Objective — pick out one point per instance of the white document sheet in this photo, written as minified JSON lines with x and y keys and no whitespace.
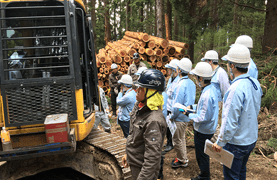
{"x":225,"y":157}
{"x":171,"y":125}
{"x":180,"y":106}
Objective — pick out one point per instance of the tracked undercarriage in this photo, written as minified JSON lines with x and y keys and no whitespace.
{"x":98,"y":156}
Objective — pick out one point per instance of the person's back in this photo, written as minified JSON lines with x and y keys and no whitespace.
{"x":245,"y":96}
{"x":185,"y":95}
{"x":171,"y":92}
{"x":206,"y":118}
{"x":221,"y":80}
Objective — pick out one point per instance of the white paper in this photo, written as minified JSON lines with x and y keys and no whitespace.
{"x":225,"y":157}
{"x":180,"y":106}
{"x":171,"y":125}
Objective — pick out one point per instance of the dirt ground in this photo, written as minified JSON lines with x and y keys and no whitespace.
{"x":261,"y":164}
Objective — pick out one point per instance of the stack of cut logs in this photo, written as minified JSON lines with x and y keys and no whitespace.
{"x":157,"y":52}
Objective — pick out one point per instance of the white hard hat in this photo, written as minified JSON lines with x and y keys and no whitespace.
{"x":185,"y":65}
{"x":126,"y":79}
{"x":140,"y":70}
{"x":210,"y":55}
{"x":238,"y":54}
{"x":113,"y":66}
{"x":172,"y":64}
{"x":203,"y":69}
{"x":244,"y":40}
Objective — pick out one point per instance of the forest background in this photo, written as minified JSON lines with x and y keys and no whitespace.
{"x":203,"y":24}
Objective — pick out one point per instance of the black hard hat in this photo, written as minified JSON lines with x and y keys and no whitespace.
{"x":136,"y":55}
{"x":152,"y":79}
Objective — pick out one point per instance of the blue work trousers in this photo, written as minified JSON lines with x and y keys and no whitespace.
{"x":241,"y":155}
{"x":125,"y":126}
{"x":203,"y":159}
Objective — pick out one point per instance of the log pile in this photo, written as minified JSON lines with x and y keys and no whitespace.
{"x":157,"y":52}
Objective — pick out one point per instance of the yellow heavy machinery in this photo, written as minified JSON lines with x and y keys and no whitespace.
{"x":48,"y":67}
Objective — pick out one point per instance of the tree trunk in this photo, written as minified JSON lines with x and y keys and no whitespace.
{"x":270,"y":29}
{"x":214,"y":22}
{"x":128,"y":13}
{"x":156,"y":17}
{"x":169,"y":14}
{"x":235,"y":25}
{"x":184,"y":31}
{"x":120,"y":22}
{"x":167,"y":27}
{"x":192,"y":31}
{"x":148,"y":26}
{"x":85,"y":4}
{"x":141,"y":17}
{"x":159,"y":18}
{"x":107,"y":23}
{"x":131,"y":18}
{"x":93,"y":20}
{"x":176,"y":27}
{"x":114,"y":21}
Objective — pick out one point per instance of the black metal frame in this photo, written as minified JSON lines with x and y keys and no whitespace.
{"x":73,"y":78}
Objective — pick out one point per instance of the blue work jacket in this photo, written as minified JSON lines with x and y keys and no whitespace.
{"x":185,"y":95}
{"x":241,"y":106}
{"x":206,"y":117}
{"x":221,"y":80}
{"x":126,"y":104}
{"x":252,"y":70}
{"x":171,"y":91}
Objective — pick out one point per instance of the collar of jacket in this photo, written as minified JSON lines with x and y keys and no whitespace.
{"x":184,"y":77}
{"x":144,"y":111}
{"x":116,"y":74}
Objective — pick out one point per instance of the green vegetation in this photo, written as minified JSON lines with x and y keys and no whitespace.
{"x":272,"y":142}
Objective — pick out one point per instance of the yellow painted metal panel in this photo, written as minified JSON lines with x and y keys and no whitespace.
{"x":83,"y":129}
{"x":2,"y":119}
{"x":79,"y":106}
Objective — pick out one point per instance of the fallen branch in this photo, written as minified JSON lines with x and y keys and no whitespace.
{"x":262,"y":153}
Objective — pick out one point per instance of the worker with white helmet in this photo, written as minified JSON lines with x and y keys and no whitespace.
{"x":185,"y":95}
{"x":205,"y":119}
{"x":220,"y":77}
{"x":114,"y":85}
{"x":241,"y":106}
{"x":125,"y":100}
{"x":170,"y":91}
{"x":248,"y":42}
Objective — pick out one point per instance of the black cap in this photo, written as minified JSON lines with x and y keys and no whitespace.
{"x":152,"y":79}
{"x":136,"y":55}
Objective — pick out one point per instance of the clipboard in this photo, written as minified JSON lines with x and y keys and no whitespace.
{"x":225,"y":157}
